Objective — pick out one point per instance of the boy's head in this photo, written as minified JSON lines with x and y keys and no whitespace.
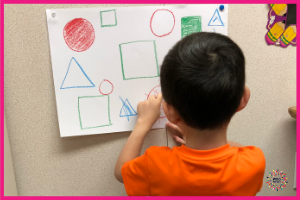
{"x":203,"y":79}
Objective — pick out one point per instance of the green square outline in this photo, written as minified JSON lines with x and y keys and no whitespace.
{"x":80,"y":121}
{"x":109,"y":25}
{"x":194,"y":16}
{"x":155,"y":53}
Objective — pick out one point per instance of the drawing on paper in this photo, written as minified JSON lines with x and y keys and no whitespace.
{"x":139,"y":59}
{"x":76,"y":77}
{"x":79,"y":34}
{"x":106,"y":60}
{"x":106,"y":87}
{"x":162,"y":22}
{"x":127,"y":110}
{"x":216,"y":19}
{"x":155,"y":91}
{"x":108,"y":18}
{"x":190,"y":25}
{"x":94,"y":111}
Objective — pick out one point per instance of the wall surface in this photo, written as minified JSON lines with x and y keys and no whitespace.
{"x":10,"y":187}
{"x":46,"y":164}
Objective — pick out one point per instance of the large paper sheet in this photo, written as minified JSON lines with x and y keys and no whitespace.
{"x":106,"y":60}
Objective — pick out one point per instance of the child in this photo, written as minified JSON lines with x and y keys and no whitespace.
{"x":203,"y":85}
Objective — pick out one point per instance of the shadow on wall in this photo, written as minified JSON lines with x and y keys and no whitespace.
{"x":70,"y":144}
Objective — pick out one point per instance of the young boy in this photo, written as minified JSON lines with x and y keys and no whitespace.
{"x":203,"y":86}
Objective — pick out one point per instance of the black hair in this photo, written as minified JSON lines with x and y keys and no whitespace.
{"x":203,"y":78}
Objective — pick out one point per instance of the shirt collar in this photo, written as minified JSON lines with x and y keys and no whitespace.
{"x":206,"y":154}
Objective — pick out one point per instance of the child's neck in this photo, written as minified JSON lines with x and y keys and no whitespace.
{"x":205,"y":139}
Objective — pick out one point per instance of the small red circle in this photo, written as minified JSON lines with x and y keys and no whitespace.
{"x":79,"y":34}
{"x":152,"y":19}
{"x":112,"y":87}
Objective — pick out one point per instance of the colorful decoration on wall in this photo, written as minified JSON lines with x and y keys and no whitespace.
{"x":277,"y":180}
{"x":282,"y":25}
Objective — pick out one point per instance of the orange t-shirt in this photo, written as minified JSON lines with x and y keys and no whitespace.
{"x":182,"y":171}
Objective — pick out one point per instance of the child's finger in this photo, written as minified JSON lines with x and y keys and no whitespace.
{"x":174,"y":128}
{"x":159,"y":98}
{"x":178,"y":139}
{"x":151,"y":98}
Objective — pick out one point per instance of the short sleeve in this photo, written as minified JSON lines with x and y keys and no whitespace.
{"x":254,"y":164}
{"x":262,"y":167}
{"x":135,"y":177}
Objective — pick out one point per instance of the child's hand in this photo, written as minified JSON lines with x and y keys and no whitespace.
{"x":176,"y":133}
{"x":149,"y":110}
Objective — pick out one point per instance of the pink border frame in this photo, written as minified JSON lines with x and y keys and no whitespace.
{"x":119,"y":2}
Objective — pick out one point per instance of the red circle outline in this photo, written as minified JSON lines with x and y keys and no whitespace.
{"x":152,"y":19}
{"x":112,"y":87}
{"x":149,"y":95}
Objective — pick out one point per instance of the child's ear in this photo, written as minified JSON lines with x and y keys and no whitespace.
{"x":245,"y":99}
{"x":171,"y":113}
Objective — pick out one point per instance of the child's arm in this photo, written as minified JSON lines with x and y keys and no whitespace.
{"x":148,"y":112}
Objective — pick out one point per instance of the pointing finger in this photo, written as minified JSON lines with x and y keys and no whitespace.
{"x":159,"y":98}
{"x":151,"y":97}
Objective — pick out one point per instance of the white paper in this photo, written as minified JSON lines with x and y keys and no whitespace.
{"x":106,"y":60}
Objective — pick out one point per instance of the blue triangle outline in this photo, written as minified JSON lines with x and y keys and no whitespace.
{"x":61,"y":87}
{"x":127,"y":105}
{"x":216,"y":11}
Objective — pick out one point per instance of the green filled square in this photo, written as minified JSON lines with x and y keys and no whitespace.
{"x":108,"y":18}
{"x":189,"y":25}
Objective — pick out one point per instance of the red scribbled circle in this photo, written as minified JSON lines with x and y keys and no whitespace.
{"x":79,"y":34}
{"x":112,"y":87}
{"x":155,"y":92}
{"x":152,"y":19}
